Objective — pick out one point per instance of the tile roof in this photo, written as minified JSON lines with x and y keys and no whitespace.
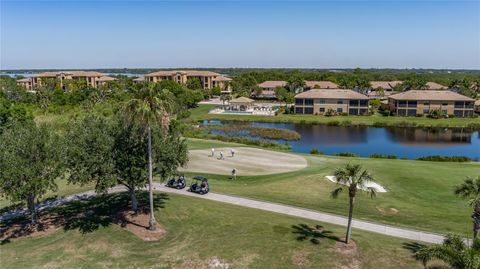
{"x":331,"y":94}
{"x":272,"y":84}
{"x":435,"y":86}
{"x":432,"y":95}
{"x":183,"y":72}
{"x":324,"y":84}
{"x":385,"y":84}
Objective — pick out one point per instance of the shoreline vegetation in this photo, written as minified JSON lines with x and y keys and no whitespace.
{"x":261,"y":132}
{"x":200,"y":113}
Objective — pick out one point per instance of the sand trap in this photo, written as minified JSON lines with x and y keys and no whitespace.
{"x":247,"y":162}
{"x":370,"y":184}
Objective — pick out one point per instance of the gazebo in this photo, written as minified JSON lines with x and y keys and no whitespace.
{"x":241,"y":104}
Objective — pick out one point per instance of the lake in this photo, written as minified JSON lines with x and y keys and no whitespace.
{"x":408,"y":143}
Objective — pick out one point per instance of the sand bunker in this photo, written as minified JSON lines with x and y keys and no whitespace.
{"x":247,"y":162}
{"x":370,"y":184}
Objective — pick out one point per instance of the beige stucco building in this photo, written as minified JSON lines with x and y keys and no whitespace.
{"x":322,"y":100}
{"x":207,"y":78}
{"x":421,"y":102}
{"x":93,"y":79}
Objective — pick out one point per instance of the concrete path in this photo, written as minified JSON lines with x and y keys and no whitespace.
{"x":267,"y":206}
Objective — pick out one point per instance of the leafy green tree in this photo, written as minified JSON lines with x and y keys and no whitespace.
{"x":414,"y":82}
{"x":11,"y":112}
{"x":352,"y":177}
{"x":281,"y":94}
{"x":295,"y":81}
{"x":225,"y":98}
{"x":470,"y":189}
{"x":29,"y":164}
{"x":216,"y":91}
{"x":194,"y":84}
{"x":170,"y":152}
{"x":149,"y":108}
{"x":453,"y":252}
{"x":88,"y":155}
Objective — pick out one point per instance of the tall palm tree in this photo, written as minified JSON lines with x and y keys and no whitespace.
{"x":453,"y":252}
{"x":150,"y":107}
{"x":470,"y":189}
{"x":353,"y":178}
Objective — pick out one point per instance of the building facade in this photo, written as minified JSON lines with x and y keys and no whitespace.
{"x":92,"y":79}
{"x":319,"y":101}
{"x":208,"y":79}
{"x":422,"y":102}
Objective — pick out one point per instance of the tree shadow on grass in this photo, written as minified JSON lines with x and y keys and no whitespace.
{"x":313,"y":234}
{"x":85,"y":215}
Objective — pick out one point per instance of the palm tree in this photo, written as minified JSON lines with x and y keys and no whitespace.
{"x":470,"y":189}
{"x":225,"y":98}
{"x":453,"y":252}
{"x":353,"y":178}
{"x":150,"y":107}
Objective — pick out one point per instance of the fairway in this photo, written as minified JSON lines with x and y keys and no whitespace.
{"x":246,"y":161}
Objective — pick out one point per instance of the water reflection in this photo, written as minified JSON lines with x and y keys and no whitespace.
{"x":403,"y":142}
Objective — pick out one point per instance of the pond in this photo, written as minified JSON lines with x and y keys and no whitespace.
{"x":408,"y":143}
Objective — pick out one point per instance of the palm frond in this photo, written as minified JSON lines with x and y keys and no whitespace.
{"x":336,"y":192}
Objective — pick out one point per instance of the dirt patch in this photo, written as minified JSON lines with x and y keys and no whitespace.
{"x":350,"y":253}
{"x":387,"y":211}
{"x":45,"y":226}
{"x":300,"y":259}
{"x":137,"y":223}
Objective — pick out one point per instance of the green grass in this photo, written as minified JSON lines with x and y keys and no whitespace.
{"x":197,"y":232}
{"x":421,"y":191}
{"x":201,"y":113}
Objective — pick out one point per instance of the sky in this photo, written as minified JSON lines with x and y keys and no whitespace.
{"x":72,"y":34}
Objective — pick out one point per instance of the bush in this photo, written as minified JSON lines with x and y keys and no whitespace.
{"x":346,"y":154}
{"x":346,"y":123}
{"x":438,"y":158}
{"x":316,"y":152}
{"x":437,"y":114}
{"x":382,"y":156}
{"x":330,"y":112}
{"x":333,"y":123}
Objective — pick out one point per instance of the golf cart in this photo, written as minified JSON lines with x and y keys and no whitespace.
{"x":199,"y":185}
{"x":179,"y":183}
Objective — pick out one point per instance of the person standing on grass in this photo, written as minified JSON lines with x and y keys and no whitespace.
{"x":213,"y":152}
{"x":221,"y":155}
{"x":232,"y":152}
{"x":234,"y":174}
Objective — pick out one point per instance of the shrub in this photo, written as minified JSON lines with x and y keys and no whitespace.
{"x":346,"y":123}
{"x":437,"y":114}
{"x":316,"y":152}
{"x":382,"y":156}
{"x":330,"y":112}
{"x":333,"y":123}
{"x":438,"y":158}
{"x":346,"y":154}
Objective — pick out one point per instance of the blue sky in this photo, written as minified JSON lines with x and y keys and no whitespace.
{"x":309,"y":34}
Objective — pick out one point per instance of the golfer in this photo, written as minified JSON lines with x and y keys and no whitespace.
{"x":213,"y":152}
{"x":221,"y":155}
{"x":232,"y":152}
{"x":234,"y":173}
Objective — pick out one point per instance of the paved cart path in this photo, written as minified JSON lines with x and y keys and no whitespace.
{"x":404,"y":233}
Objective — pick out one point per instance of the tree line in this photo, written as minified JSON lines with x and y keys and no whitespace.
{"x":142,"y":140}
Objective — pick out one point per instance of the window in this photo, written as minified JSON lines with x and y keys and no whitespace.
{"x":353,"y":102}
{"x":308,"y":110}
{"x":309,"y":102}
{"x":299,"y":102}
{"x":299,"y":110}
{"x":321,"y":101}
{"x":426,"y":104}
{"x":321,"y":110}
{"x":353,"y":111}
{"x":426,"y":110}
{"x":468,"y":113}
{"x":340,"y":110}
{"x":469,"y":104}
{"x":340,"y":102}
{"x":402,"y":112}
{"x":363,"y":102}
{"x":458,"y":113}
{"x":444,"y":111}
{"x":363,"y":111}
{"x":444,"y":104}
{"x":412,"y":103}
{"x":402,"y":103}
{"x":458,"y":104}
{"x":411,"y":112}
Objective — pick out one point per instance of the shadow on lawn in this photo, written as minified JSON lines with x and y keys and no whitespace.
{"x":414,"y":247}
{"x":313,"y":234}
{"x":85,"y":215}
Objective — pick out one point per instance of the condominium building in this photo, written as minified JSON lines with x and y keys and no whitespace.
{"x":92,"y":79}
{"x":418,"y":102}
{"x":268,"y":87}
{"x":319,"y":101}
{"x":207,"y":78}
